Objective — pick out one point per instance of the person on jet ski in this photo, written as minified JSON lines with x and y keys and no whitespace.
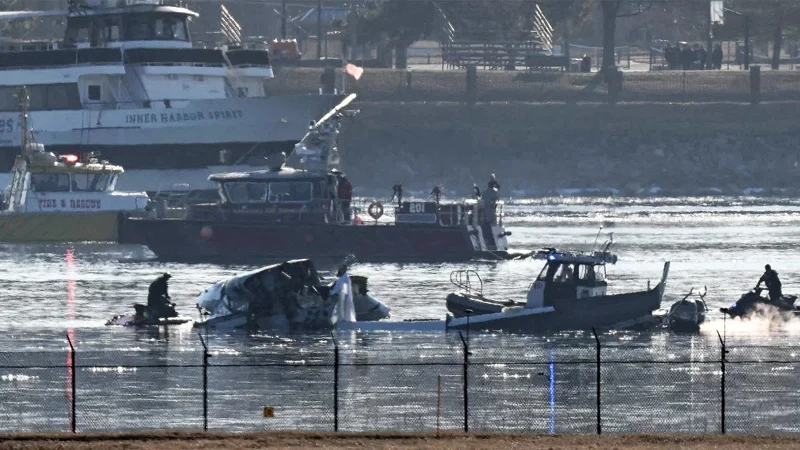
{"x":770,"y":278}
{"x":158,"y":299}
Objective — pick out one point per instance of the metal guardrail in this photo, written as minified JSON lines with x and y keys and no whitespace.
{"x":462,"y":279}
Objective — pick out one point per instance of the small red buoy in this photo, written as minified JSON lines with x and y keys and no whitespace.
{"x":206,"y":232}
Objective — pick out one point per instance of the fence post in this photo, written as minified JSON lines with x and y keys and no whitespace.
{"x":335,"y":385}
{"x":597,"y":344}
{"x":73,"y":389}
{"x":472,"y":84}
{"x":206,"y":355}
{"x":466,"y":382}
{"x":438,"y":403}
{"x":755,"y":84}
{"x":723,"y":352}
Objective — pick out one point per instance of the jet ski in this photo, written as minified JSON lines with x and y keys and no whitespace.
{"x":748,"y":304}
{"x":144,"y":316}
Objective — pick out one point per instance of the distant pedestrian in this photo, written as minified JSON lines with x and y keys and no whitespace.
{"x":702,"y":56}
{"x":687,"y":57}
{"x":669,"y":56}
{"x":716,"y":57}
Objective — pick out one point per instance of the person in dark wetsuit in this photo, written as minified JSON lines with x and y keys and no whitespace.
{"x":770,"y":278}
{"x":158,"y":300}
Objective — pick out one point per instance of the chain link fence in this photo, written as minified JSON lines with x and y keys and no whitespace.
{"x":696,"y":86}
{"x":564,"y":386}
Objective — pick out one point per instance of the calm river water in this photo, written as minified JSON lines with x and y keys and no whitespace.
{"x":52,"y":291}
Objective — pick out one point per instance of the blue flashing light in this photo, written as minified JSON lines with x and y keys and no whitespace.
{"x":551,"y":257}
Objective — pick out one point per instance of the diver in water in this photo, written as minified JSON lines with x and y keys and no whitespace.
{"x":770,"y":278}
{"x":158,"y":299}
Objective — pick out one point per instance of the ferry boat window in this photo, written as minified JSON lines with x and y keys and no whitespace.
{"x":94,"y":92}
{"x":38,"y":96}
{"x":162,"y":27}
{"x":170,"y":28}
{"x":50,"y":182}
{"x":247,"y":192}
{"x":293,"y":191}
{"x":89,"y":182}
{"x":43,"y":97}
{"x":58,"y":96}
{"x":112,"y":29}
{"x":8,"y":101}
{"x":139,"y":28}
{"x":77,"y":31}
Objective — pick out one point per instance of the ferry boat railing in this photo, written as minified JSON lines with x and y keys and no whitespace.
{"x":463,"y":279}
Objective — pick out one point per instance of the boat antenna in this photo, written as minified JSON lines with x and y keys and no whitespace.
{"x":607,"y":244}
{"x":597,"y":237}
{"x":24,"y":104}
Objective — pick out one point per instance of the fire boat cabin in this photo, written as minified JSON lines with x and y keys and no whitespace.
{"x":45,"y":183}
{"x":278,"y":196}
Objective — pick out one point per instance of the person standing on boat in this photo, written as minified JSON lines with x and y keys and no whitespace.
{"x":345,"y":310}
{"x":345,"y":193}
{"x":489,"y":200}
{"x":436,"y":193}
{"x":770,"y":278}
{"x":158,"y":299}
{"x":397,"y":191}
{"x":493,"y":182}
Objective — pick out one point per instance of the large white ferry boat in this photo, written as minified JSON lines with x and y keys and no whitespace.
{"x":126,"y":81}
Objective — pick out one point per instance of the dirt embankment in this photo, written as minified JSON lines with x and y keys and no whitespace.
{"x":537,"y":149}
{"x":301,"y":441}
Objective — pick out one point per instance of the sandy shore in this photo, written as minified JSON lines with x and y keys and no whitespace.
{"x":168,"y":441}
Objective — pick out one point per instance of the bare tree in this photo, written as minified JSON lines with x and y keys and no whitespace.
{"x":612,"y":10}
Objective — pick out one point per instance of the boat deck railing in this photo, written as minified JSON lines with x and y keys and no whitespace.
{"x":464,"y":279}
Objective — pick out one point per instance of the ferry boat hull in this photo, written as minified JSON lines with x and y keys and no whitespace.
{"x":188,"y":135}
{"x":60,"y":227}
{"x":183,"y":240}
